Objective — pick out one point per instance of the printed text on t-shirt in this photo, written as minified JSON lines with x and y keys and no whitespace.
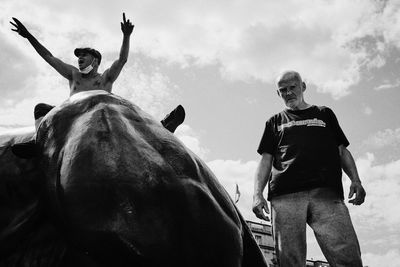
{"x":309,"y":122}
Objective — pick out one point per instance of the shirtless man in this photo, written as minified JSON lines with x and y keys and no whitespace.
{"x":86,"y":77}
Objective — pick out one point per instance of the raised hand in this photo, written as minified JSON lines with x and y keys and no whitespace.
{"x":19,"y":28}
{"x":126,"y":25}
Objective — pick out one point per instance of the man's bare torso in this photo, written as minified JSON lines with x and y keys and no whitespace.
{"x":87,"y":82}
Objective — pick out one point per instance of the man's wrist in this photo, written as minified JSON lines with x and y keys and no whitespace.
{"x":29,"y":36}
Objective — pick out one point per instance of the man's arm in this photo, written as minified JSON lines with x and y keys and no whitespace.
{"x":112,"y":73}
{"x":64,"y":69}
{"x":349,"y":167}
{"x":261,"y":179}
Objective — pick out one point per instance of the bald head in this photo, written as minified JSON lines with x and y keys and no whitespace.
{"x":287,"y":76}
{"x":291,"y":89}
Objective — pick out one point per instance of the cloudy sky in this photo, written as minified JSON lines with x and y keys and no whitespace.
{"x":219,"y":59}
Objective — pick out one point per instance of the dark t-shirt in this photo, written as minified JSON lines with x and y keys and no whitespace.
{"x":304,"y":145}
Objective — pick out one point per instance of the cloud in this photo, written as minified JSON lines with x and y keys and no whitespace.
{"x":367,"y":110}
{"x":387,"y":85}
{"x":17,"y":73}
{"x":230,"y":172}
{"x":5,"y":130}
{"x":389,"y":22}
{"x":384,"y":138}
{"x":261,"y":42}
{"x":191,"y":139}
{"x":320,"y":39}
{"x":390,"y":258}
{"x":382,"y":185}
{"x":47,"y":87}
{"x":147,"y":87}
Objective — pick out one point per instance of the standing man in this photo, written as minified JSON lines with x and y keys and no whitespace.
{"x":303,"y":153}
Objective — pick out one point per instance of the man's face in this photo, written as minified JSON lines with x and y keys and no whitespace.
{"x":84,"y":60}
{"x":291,"y":91}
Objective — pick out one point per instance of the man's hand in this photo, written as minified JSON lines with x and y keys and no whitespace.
{"x":259,"y":206}
{"x":126,"y":26}
{"x":358,"y":189}
{"x":20,"y":28}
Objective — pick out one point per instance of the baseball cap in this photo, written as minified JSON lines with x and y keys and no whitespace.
{"x":88,"y":50}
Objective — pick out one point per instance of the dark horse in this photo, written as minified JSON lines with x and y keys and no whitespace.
{"x":123,"y":191}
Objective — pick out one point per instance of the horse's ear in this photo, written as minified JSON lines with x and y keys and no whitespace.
{"x":25,"y":150}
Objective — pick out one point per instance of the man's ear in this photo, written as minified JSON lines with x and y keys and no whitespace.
{"x":304,"y":86}
{"x":95,"y":62}
{"x":277,"y":92}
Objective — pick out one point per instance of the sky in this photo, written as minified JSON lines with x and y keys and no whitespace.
{"x":220,"y":59}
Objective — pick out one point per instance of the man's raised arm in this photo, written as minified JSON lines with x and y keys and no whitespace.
{"x":64,"y":69}
{"x":115,"y":69}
